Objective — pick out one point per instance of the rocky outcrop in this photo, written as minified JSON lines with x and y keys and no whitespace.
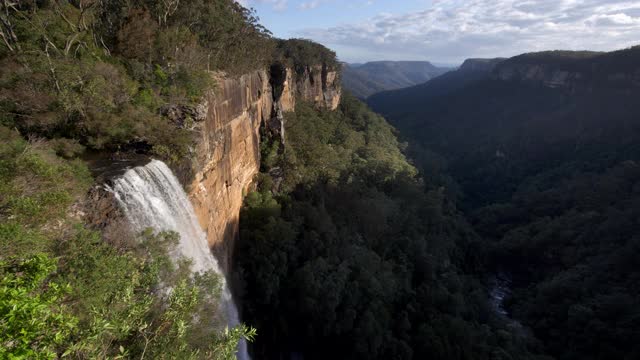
{"x":287,"y":98}
{"x":227,"y":154}
{"x":100,"y":208}
{"x":101,"y":211}
{"x":319,"y":85}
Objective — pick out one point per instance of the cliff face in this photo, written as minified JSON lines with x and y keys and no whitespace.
{"x":228,"y":152}
{"x":319,"y":85}
{"x":576,"y":71}
{"x":549,"y":76}
{"x":228,"y":149}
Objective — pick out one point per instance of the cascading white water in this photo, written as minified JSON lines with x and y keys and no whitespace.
{"x":152,"y":197}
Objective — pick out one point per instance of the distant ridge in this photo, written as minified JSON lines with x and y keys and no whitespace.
{"x":364,"y":80}
{"x":480,"y":64}
{"x":471,"y":70}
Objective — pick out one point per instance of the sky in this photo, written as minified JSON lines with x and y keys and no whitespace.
{"x":449,"y":31}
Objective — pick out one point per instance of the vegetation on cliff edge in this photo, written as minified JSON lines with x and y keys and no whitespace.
{"x":99,"y":76}
{"x":66,"y":291}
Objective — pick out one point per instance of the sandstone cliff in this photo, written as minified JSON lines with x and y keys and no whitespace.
{"x":228,"y":146}
{"x":574,"y":70}
{"x":316,"y":84}
{"x":550,"y":76}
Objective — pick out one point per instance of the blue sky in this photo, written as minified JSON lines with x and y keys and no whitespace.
{"x":449,"y":31}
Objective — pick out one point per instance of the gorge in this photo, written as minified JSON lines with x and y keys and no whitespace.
{"x":178,"y":183}
{"x":540,"y":151}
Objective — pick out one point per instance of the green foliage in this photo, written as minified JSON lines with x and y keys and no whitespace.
{"x":36,"y":190}
{"x":355,"y":257}
{"x":269,"y":151}
{"x":148,"y":99}
{"x":572,"y":240}
{"x":160,"y":77}
{"x":98,"y":74}
{"x":549,"y":179}
{"x":333,"y":145}
{"x":119,"y":312}
{"x":35,"y":323}
{"x":302,"y":54}
{"x":67,"y":148}
{"x":96,"y":299}
{"x":230,"y":35}
{"x":226,"y":348}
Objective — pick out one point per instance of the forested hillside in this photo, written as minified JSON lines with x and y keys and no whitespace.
{"x":401,"y":102}
{"x":367,"y":79}
{"x":542,"y":155}
{"x":346,"y":253}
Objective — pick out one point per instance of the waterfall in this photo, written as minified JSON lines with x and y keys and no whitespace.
{"x":500,"y":288}
{"x":152,"y":197}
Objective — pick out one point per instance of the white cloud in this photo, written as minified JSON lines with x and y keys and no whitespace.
{"x":308,"y":5}
{"x":614,"y":20}
{"x":451,"y":30}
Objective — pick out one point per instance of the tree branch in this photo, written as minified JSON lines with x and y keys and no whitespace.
{"x":8,"y":35}
{"x":51,"y":67}
{"x":6,"y":41}
{"x":70,"y":43}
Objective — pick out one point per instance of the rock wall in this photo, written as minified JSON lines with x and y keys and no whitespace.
{"x":549,"y":76}
{"x":319,"y":85}
{"x":574,"y":71}
{"x":228,"y":146}
{"x":228,"y":153}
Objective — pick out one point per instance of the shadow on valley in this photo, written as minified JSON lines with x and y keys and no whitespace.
{"x":541,"y":152}
{"x":353,"y":256}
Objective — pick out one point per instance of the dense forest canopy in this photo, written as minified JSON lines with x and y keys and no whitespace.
{"x":346,"y":253}
{"x":363,"y":80}
{"x":547,"y":173}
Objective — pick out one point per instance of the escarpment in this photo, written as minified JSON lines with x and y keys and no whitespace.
{"x":577,"y":71}
{"x":227,"y":151}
